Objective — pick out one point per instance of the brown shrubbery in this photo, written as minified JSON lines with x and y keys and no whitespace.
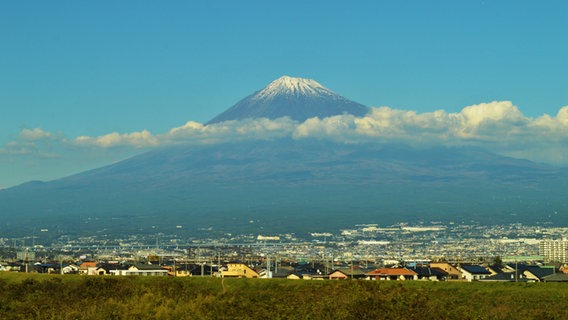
{"x":91,"y":297}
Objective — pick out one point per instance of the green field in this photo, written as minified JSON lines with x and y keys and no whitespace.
{"x":25,"y":296}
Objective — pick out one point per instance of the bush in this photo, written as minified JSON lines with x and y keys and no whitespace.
{"x":93,"y":297}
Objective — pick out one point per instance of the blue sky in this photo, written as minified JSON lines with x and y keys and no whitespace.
{"x":72,"y":69}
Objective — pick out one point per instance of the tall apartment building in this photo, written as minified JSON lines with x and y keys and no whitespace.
{"x":554,"y":250}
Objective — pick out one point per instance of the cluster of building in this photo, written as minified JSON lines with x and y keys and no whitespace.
{"x":430,"y":271}
{"x":315,"y":270}
{"x":424,"y":251}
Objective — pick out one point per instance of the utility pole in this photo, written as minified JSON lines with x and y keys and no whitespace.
{"x":516,"y":270}
{"x":276,"y":264}
{"x":218,"y":263}
{"x":268,"y":267}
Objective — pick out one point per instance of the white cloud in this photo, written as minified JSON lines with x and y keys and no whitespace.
{"x":258,"y":129}
{"x":490,"y":122}
{"x":140,"y":139}
{"x":497,"y":122}
{"x":499,"y":126}
{"x":557,"y":125}
{"x":496,"y":111}
{"x":191,"y":128}
{"x":32,"y":143}
{"x":36,"y":134}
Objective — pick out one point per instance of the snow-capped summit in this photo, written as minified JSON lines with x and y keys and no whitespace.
{"x":292,"y":86}
{"x":297,"y":98}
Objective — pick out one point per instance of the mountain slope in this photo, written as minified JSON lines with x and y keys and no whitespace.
{"x":288,"y":185}
{"x":292,"y":186}
{"x":297,"y":98}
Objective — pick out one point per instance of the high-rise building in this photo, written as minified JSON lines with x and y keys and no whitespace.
{"x":554,"y":250}
{"x":25,"y":255}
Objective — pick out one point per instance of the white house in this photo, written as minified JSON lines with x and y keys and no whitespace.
{"x":474,"y":272}
{"x":69,"y":269}
{"x":141,"y":270}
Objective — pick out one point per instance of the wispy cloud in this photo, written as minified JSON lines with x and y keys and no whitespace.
{"x":36,"y":134}
{"x":499,"y":126}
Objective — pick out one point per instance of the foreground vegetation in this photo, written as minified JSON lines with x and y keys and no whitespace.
{"x":25,"y":296}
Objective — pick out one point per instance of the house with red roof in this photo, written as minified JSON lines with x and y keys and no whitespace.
{"x":392,"y":274}
{"x":88,"y":268}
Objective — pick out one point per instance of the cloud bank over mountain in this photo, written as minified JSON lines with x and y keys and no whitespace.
{"x":498,"y":126}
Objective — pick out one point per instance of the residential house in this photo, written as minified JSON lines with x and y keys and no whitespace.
{"x":282,"y":272}
{"x":315,"y":277}
{"x":427,"y":273}
{"x":495,"y":269}
{"x":473,"y":272}
{"x":556,"y":277}
{"x":521,"y":272}
{"x":70,"y":269}
{"x":105,"y":268}
{"x":506,"y":277}
{"x":239,"y":270}
{"x":392,"y":274}
{"x":47,"y":268}
{"x":263,"y":273}
{"x":536,"y":273}
{"x":201,"y":269}
{"x":14,"y":267}
{"x":88,"y":268}
{"x":348,"y":273}
{"x":452,"y":272}
{"x":177,"y":271}
{"x":513,"y":267}
{"x":308,"y":271}
{"x":564,"y":269}
{"x":294,"y":276}
{"x":141,"y":270}
{"x":100,"y":271}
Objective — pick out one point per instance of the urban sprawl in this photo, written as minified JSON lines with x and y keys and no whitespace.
{"x":426,"y":251}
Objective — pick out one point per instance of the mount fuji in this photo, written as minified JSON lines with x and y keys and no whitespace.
{"x":297,"y":98}
{"x":288,"y":185}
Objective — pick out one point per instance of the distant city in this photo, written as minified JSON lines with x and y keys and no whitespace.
{"x":287,"y":204}
{"x":366,"y":246}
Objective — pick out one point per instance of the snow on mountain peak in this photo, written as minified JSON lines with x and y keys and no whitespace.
{"x":286,"y":85}
{"x":296,"y":98}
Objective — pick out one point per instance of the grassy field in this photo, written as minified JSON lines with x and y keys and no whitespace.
{"x":27,"y":296}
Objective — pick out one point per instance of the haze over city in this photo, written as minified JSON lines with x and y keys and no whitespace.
{"x":87,"y":84}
